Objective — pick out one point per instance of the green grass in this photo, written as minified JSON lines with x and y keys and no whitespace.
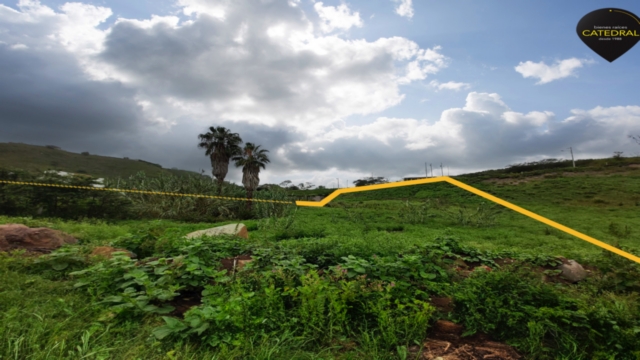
{"x":43,"y":317}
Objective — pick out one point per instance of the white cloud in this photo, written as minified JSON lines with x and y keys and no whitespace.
{"x":337,"y":17}
{"x":451,"y":85}
{"x":261,"y":70}
{"x":484,"y":133}
{"x":171,"y":21}
{"x":217,"y":9}
{"x":405,"y":8}
{"x":19,"y":46}
{"x":547,"y":73}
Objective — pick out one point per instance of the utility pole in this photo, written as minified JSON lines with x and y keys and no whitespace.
{"x":441,"y":169}
{"x":426,"y":173}
{"x":431,"y":166}
{"x":338,"y":183}
{"x":572,"y":160}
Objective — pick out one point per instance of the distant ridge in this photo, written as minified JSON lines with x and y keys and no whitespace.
{"x":36,"y":159}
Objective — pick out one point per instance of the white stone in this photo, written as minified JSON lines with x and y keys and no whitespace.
{"x":231,"y":229}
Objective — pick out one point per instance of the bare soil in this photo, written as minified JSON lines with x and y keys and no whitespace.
{"x":445,"y":342}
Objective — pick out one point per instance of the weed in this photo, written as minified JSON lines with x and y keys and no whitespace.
{"x":482,"y":216}
{"x":618,"y":231}
{"x":414,"y":214}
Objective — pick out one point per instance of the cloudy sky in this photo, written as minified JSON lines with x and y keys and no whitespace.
{"x":333,"y":89}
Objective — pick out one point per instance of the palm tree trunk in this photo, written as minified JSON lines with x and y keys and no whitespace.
{"x":220,"y":180}
{"x":249,"y":197}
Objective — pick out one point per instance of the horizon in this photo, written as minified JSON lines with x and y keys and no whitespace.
{"x":333,"y":89}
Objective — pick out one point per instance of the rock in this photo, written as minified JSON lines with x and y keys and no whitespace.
{"x":231,"y":229}
{"x":43,"y":240}
{"x":318,"y":198}
{"x":572,"y":271}
{"x":107,"y":251}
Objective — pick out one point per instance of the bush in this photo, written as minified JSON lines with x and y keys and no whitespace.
{"x":66,"y":203}
{"x":182,"y":208}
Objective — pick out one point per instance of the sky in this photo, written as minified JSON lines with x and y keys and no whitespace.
{"x":335,"y":90}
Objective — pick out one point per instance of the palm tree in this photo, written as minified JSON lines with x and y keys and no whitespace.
{"x":251,"y":159}
{"x":221,"y":145}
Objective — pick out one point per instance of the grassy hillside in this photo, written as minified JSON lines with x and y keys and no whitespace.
{"x":33,"y":158}
{"x":362,"y":278}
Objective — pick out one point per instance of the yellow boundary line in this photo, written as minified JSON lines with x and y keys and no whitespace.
{"x":140,"y":191}
{"x":336,"y":193}
{"x":485,"y":195}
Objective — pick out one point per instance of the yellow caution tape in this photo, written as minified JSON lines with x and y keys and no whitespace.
{"x":142,"y":191}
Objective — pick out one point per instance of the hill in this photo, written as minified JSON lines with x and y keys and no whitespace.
{"x":35,"y":159}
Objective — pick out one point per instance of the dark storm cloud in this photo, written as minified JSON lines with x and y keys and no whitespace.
{"x":45,"y":99}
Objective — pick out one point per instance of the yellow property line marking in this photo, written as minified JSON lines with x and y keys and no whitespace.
{"x":139,"y":191}
{"x":485,"y":195}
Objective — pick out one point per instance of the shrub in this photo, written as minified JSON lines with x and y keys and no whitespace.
{"x":66,"y":203}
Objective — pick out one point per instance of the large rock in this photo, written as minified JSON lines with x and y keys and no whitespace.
{"x":231,"y":229}
{"x":44,"y":240}
{"x":572,"y":271}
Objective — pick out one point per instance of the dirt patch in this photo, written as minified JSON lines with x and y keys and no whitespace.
{"x":445,"y":342}
{"x":185,"y":301}
{"x":190,"y":298}
{"x":443,"y":304}
{"x":107,"y":252}
{"x":237,"y":262}
{"x":504,"y":261}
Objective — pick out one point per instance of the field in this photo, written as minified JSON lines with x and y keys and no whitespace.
{"x":352,"y":280}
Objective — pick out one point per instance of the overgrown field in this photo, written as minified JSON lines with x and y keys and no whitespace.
{"x":354,"y":280}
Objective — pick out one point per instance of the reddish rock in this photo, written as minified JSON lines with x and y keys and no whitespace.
{"x":237,"y":262}
{"x":448,"y":327}
{"x":43,"y":240}
{"x":107,"y":252}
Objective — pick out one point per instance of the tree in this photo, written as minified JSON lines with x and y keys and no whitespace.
{"x":251,"y":158}
{"x":370,"y":181}
{"x":617,"y":154}
{"x":221,"y":145}
{"x":285,"y":184}
{"x":306,"y":186}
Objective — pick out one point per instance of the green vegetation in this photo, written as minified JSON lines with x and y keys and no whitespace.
{"x":36,"y":159}
{"x":352,"y":280}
